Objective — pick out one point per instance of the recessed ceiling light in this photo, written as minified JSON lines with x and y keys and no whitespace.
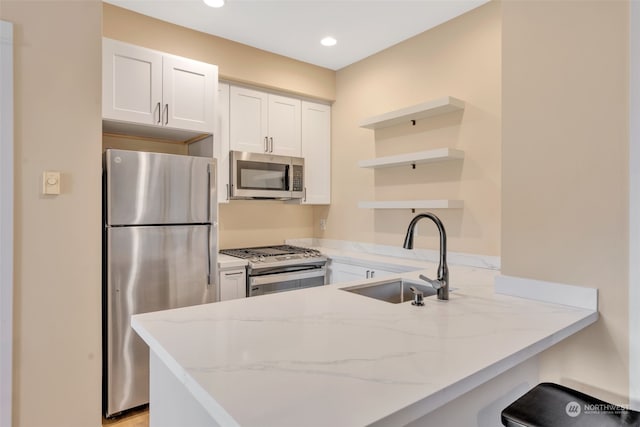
{"x":328,"y":41}
{"x":214,"y":3}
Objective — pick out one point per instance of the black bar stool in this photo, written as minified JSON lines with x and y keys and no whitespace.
{"x":553,"y":405}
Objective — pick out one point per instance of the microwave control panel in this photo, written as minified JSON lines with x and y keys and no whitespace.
{"x":298,"y":182}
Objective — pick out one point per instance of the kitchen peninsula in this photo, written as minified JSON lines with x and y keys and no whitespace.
{"x":326,"y":357}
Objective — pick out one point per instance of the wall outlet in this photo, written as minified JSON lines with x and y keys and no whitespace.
{"x":323,"y":224}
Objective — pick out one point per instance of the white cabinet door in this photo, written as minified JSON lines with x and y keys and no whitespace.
{"x":233,"y":284}
{"x":316,"y":150}
{"x":131,"y":83}
{"x":342,"y":272}
{"x":188,"y":94}
{"x":221,"y":142}
{"x":248,"y":127}
{"x":284,"y":126}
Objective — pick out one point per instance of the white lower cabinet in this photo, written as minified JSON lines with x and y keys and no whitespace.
{"x":233,"y":284}
{"x":342,"y":272}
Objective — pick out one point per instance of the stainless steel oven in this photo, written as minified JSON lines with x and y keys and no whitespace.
{"x":281,"y":268}
{"x":262,"y":281}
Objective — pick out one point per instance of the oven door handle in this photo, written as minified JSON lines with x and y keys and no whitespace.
{"x":285,"y":277}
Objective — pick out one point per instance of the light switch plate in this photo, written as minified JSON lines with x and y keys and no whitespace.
{"x":51,"y":182}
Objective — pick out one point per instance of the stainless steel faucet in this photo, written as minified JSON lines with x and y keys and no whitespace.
{"x":441,"y":284}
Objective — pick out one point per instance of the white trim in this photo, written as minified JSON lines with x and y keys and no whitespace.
{"x":6,"y":220}
{"x":634,"y":205}
{"x":557,"y":293}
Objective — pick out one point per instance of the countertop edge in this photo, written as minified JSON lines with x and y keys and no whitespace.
{"x":209,"y":404}
{"x":432,"y":402}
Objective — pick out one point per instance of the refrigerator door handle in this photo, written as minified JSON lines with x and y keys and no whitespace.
{"x":209,"y":191}
{"x":209,"y":256}
{"x":211,"y":226}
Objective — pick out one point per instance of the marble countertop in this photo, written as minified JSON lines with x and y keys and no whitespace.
{"x":227,"y":262}
{"x":323,"y":356}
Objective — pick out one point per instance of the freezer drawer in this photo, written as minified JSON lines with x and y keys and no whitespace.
{"x":154,"y":188}
{"x":149,"y":268}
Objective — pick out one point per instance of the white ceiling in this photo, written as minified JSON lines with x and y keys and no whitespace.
{"x":294,"y":28}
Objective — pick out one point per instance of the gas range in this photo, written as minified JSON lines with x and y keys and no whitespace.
{"x":281,"y":268}
{"x":275,"y":255}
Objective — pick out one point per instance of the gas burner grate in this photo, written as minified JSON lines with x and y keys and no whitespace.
{"x":268,"y":251}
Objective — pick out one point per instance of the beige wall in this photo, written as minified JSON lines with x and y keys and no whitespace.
{"x":242,"y":223}
{"x":460,"y":58}
{"x":565,"y":171}
{"x":258,"y":222}
{"x":57,"y":344}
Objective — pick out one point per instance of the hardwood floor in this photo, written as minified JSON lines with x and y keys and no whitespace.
{"x":135,"y":418}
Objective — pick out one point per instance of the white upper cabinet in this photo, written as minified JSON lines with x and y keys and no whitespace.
{"x":284,"y":126}
{"x":248,"y":120}
{"x":131,"y":83}
{"x":151,"y":88}
{"x":316,"y":150}
{"x":264,"y":123}
{"x":188,"y":93}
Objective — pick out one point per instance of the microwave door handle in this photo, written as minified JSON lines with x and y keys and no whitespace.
{"x":287,"y":177}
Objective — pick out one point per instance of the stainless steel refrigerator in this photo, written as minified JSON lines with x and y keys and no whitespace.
{"x":159,"y":252}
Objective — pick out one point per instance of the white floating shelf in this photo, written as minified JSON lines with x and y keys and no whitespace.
{"x":448,"y":104}
{"x":430,"y":156}
{"x":413,"y":204}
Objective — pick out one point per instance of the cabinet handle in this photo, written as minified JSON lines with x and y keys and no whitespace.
{"x":368,"y":272}
{"x":373,"y":273}
{"x":227,"y":191}
{"x":159,"y":107}
{"x":266,"y":144}
{"x":166,"y":114}
{"x":304,"y":199}
{"x":271,"y":149}
{"x":234,"y":274}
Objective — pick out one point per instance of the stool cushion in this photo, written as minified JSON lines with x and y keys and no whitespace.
{"x":553,"y":405}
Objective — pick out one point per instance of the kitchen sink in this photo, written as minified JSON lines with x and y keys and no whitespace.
{"x":394,"y":290}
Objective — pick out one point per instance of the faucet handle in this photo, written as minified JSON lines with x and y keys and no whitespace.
{"x":437,"y":284}
{"x":417,"y":296}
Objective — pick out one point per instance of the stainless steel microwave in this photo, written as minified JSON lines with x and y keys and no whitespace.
{"x":265,"y":176}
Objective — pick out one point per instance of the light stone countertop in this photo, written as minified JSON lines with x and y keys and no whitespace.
{"x":326,"y":357}
{"x":226,"y":262}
